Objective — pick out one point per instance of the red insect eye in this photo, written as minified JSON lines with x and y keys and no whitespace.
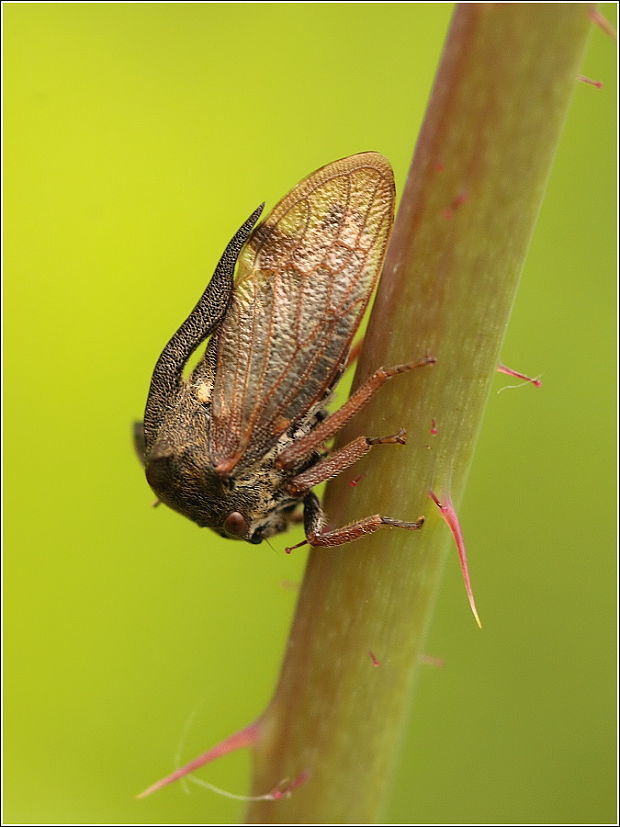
{"x":236,"y":525}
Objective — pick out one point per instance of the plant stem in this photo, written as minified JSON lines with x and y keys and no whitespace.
{"x":460,"y":239}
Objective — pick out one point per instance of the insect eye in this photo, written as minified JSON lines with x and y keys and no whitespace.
{"x":236,"y":525}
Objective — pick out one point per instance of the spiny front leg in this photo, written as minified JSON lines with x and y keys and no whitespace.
{"x":316,"y":534}
{"x":336,"y":463}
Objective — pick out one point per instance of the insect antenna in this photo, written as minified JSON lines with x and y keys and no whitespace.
{"x":271,"y":546}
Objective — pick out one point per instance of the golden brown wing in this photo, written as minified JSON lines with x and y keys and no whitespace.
{"x":303,"y":283}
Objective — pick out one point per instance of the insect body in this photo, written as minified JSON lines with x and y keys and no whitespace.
{"x":239,"y":445}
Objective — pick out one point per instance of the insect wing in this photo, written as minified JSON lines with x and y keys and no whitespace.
{"x":303,"y":283}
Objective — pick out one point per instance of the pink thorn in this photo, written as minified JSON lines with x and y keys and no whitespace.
{"x":510,"y":372}
{"x":244,"y":738}
{"x":586,"y":79}
{"x":603,"y":23}
{"x":373,"y":658}
{"x":453,"y":206}
{"x":434,"y":430}
{"x":281,"y":792}
{"x":449,"y":514}
{"x":355,"y":482}
{"x":429,"y":660}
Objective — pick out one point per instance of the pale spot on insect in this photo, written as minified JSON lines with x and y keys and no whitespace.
{"x":203,"y":393}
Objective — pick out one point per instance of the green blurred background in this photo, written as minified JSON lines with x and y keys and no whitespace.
{"x":138,"y":137}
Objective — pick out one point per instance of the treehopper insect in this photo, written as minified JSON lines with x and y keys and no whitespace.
{"x":239,"y":444}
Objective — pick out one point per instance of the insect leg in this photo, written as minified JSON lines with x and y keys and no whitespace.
{"x":200,"y":323}
{"x":339,"y":460}
{"x":316,"y":535}
{"x":326,"y":429}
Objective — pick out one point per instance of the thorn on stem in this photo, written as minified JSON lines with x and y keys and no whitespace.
{"x":244,"y":738}
{"x":589,"y":81}
{"x":518,"y":375}
{"x":603,"y":23}
{"x":448,"y":512}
